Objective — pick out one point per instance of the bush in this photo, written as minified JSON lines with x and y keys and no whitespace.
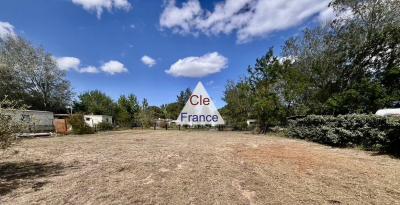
{"x":9,"y":125}
{"x":371,"y":132}
{"x":104,"y":126}
{"x":79,"y":126}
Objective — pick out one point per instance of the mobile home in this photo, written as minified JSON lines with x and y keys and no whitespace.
{"x":93,"y":120}
{"x":35,"y":120}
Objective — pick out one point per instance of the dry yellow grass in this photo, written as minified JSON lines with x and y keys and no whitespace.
{"x":181,"y":167}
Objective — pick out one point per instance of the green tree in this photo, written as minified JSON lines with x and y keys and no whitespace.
{"x":95,"y":102}
{"x":371,"y":40}
{"x":239,"y":107}
{"x":263,"y":78}
{"x":145,"y":117}
{"x":30,"y":75}
{"x":259,"y":96}
{"x":127,"y":111}
{"x":172,"y":110}
{"x":156,"y":112}
{"x":316,"y":74}
{"x":352,"y":65}
{"x":182,"y":98}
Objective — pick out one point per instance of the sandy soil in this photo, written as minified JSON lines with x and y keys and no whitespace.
{"x":182,"y":167}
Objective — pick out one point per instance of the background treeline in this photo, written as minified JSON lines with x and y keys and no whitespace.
{"x":127,"y":111}
{"x":351,"y":65}
{"x":29,"y":76}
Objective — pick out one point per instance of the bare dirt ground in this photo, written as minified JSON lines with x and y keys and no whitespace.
{"x":182,"y":167}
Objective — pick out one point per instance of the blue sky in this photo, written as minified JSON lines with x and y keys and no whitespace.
{"x":208,"y":41}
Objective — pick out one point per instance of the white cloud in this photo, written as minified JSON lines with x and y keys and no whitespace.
{"x":248,"y":18}
{"x":147,"y":60}
{"x":100,"y":5}
{"x":112,"y":67}
{"x":329,"y":14}
{"x":71,"y":63}
{"x":68,"y":63}
{"x":6,"y":30}
{"x":89,"y":69}
{"x":198,"y":66}
{"x":180,"y":19}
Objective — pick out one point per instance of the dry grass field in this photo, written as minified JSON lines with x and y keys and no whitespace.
{"x":203,"y":167}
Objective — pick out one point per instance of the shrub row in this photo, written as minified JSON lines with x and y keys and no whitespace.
{"x":104,"y":126}
{"x":371,"y":132}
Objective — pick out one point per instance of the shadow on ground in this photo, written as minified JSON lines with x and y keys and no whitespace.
{"x":394,"y":155}
{"x":16,"y":174}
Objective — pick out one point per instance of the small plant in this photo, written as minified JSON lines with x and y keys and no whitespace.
{"x":79,"y":126}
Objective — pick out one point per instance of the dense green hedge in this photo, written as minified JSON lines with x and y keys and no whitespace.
{"x":371,"y":132}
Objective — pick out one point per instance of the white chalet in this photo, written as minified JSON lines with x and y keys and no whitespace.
{"x":93,"y":120}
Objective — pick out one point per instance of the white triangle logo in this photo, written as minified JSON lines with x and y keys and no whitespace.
{"x":200,"y":109}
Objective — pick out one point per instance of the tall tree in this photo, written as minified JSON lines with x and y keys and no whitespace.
{"x":31,"y":75}
{"x":370,"y":43}
{"x":127,"y":111}
{"x":353,"y":64}
{"x":263,"y":79}
{"x":145,"y":117}
{"x":239,"y":104}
